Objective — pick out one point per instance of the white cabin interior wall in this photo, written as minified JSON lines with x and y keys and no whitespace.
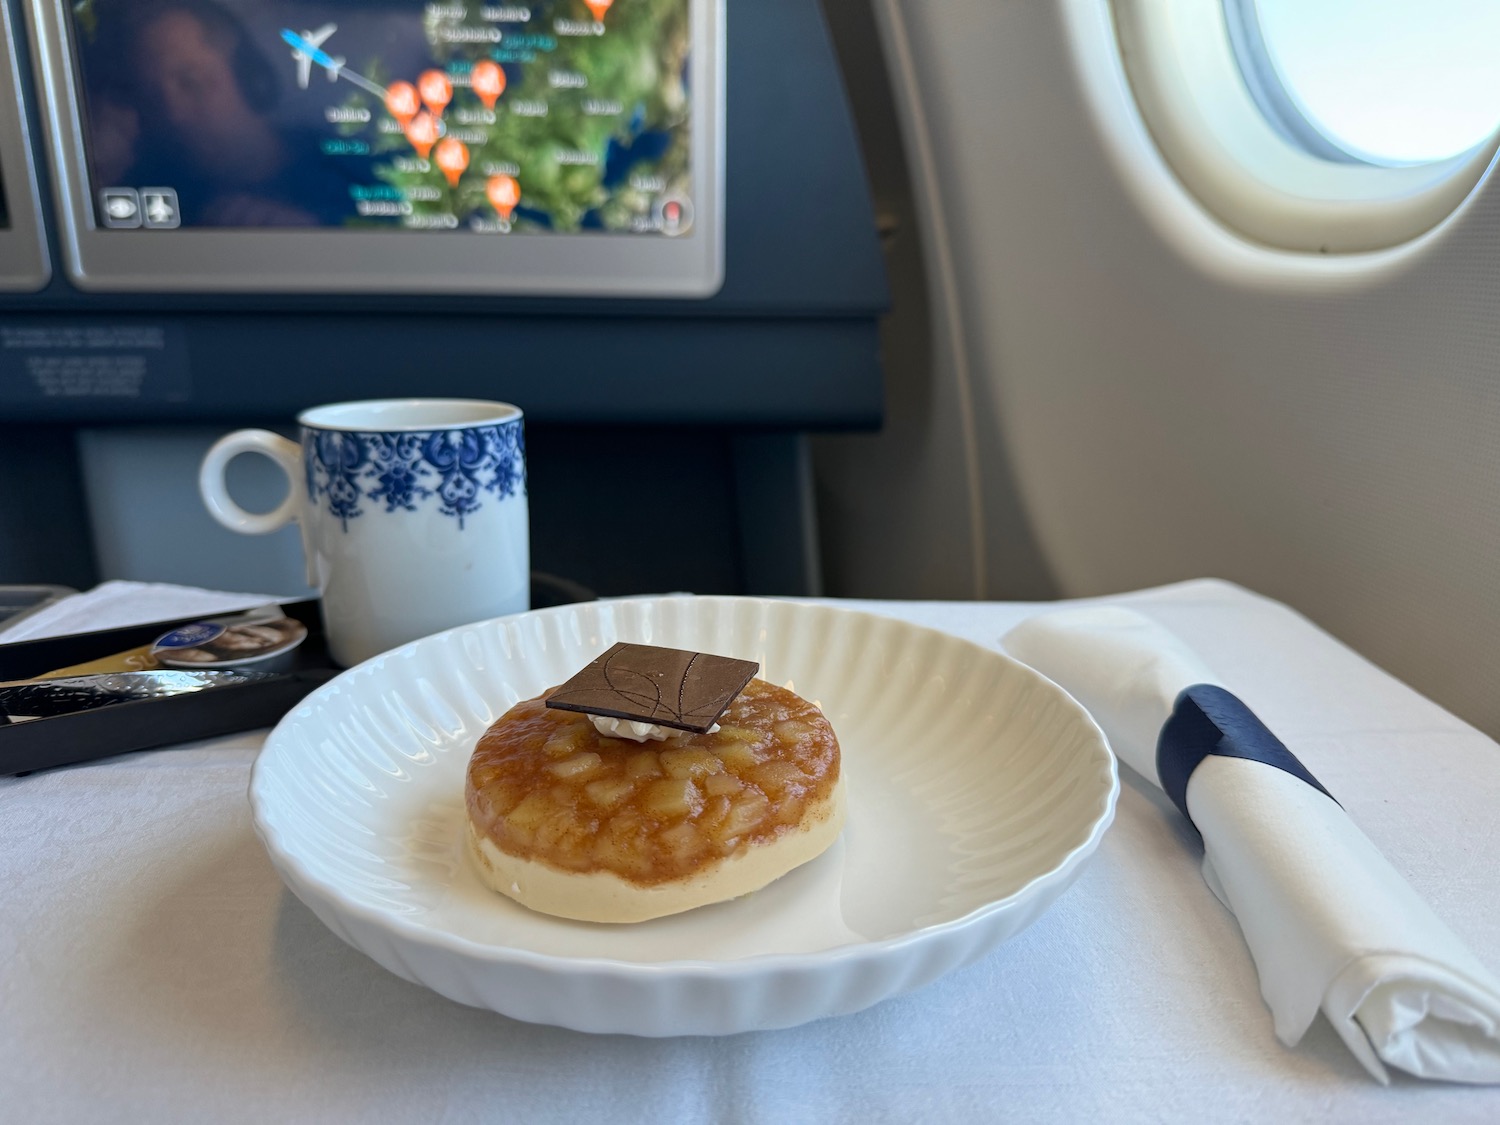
{"x":906,"y":512}
{"x":1169,"y":400}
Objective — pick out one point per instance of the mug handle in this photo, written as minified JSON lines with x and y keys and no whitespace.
{"x":286,"y":454}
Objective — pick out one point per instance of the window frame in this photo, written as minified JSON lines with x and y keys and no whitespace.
{"x":1250,"y":168}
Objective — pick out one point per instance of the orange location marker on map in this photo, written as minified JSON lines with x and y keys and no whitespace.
{"x":599,"y":7}
{"x":422,"y":132}
{"x":452,"y":157}
{"x":487,"y":81}
{"x":437,"y":91}
{"x":401,"y":101}
{"x":504,"y":193}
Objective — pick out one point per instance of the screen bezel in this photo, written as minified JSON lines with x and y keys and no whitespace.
{"x":265,"y":260}
{"x":24,"y":263}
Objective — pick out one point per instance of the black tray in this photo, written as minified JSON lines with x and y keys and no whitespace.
{"x":63,"y":740}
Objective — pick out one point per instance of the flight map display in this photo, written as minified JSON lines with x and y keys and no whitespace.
{"x":548,"y":117}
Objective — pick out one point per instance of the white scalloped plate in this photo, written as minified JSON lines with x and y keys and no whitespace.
{"x":977,"y":789}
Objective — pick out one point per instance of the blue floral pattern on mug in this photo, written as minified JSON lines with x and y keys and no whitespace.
{"x":458,"y":470}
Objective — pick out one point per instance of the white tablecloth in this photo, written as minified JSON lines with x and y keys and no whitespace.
{"x":152,"y":967}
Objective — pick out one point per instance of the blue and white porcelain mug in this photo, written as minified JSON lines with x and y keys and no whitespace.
{"x":413,"y":514}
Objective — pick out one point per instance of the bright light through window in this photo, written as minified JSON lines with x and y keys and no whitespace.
{"x":1390,"y":81}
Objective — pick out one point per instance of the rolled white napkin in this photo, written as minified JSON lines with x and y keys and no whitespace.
{"x":1330,"y":923}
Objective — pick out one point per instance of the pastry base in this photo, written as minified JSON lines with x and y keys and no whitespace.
{"x":602,"y":896}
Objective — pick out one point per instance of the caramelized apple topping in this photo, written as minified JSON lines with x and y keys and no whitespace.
{"x":545,"y":785}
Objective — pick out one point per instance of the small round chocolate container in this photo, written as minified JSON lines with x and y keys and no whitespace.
{"x":261,"y":643}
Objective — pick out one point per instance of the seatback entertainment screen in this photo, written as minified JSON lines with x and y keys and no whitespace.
{"x":23,"y":254}
{"x":545,"y":121}
{"x":554,"y":116}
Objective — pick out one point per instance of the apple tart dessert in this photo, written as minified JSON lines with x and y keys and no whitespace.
{"x":653,"y":782}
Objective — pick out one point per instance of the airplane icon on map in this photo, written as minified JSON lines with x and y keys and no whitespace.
{"x":307,"y":52}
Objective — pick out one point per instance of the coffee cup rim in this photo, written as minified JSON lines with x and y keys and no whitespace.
{"x":407,"y":415}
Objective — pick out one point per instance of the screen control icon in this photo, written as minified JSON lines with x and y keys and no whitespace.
{"x":121,"y":208}
{"x":674,"y":215}
{"x":159,"y":205}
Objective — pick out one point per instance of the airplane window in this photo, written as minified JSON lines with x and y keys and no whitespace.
{"x":1391,"y":82}
{"x":1318,"y":126}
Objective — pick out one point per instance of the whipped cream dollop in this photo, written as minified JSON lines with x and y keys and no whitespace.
{"x":639,"y":732}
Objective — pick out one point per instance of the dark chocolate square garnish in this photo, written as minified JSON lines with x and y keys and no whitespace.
{"x":666,"y":686}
